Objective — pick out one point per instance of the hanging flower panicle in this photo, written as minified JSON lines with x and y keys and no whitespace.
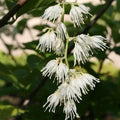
{"x":72,"y":83}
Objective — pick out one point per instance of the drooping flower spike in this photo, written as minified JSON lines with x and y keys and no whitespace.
{"x":72,"y":84}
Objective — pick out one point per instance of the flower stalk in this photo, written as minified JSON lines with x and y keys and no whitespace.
{"x":66,"y":52}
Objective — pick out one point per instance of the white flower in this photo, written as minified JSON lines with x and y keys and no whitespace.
{"x":98,"y":42}
{"x":57,"y":98}
{"x":61,"y":72}
{"x":61,"y":36}
{"x":69,"y":92}
{"x":83,"y":82}
{"x":60,"y":47}
{"x":57,"y":67}
{"x":47,"y":41}
{"x":85,"y":46}
{"x":80,"y":51}
{"x":70,"y":110}
{"x":61,"y":31}
{"x":52,"y":13}
{"x":77,"y":13}
{"x":50,"y":68}
{"x":52,"y":101}
{"x":77,"y":84}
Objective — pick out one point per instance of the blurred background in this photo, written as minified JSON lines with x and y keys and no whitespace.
{"x":23,"y":91}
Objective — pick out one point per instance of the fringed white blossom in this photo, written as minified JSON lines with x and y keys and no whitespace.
{"x":69,"y":92}
{"x":57,"y":67}
{"x":76,"y":85}
{"x":61,"y":36}
{"x":80,"y":51}
{"x":61,"y":72}
{"x":70,"y":110}
{"x":85,"y":45}
{"x":61,"y":31}
{"x":50,"y":68}
{"x":47,"y":41}
{"x":60,"y":47}
{"x":52,"y":13}
{"x":98,"y":42}
{"x":52,"y":101}
{"x":77,"y":14}
{"x":83,"y":82}
{"x":63,"y":93}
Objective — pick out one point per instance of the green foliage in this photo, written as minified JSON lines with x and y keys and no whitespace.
{"x":31,"y":7}
{"x":8,"y":111}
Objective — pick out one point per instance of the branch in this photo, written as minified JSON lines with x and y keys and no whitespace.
{"x":5,"y":20}
{"x":34,"y":92}
{"x":7,"y":47}
{"x":108,"y":4}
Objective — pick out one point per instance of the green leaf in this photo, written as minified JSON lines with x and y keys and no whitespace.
{"x":11,"y":3}
{"x":40,"y":27}
{"x":9,"y":111}
{"x":34,"y":62}
{"x":31,"y":45}
{"x":22,"y":24}
{"x":117,"y":50}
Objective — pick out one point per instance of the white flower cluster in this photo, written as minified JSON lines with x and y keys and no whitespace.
{"x":53,"y":40}
{"x":72,"y":83}
{"x":85,"y":45}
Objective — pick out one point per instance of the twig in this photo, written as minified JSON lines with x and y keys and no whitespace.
{"x":100,"y":67}
{"x":9,"y":50}
{"x":5,"y":20}
{"x":27,"y":101}
{"x":98,"y":16}
{"x":34,"y":92}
